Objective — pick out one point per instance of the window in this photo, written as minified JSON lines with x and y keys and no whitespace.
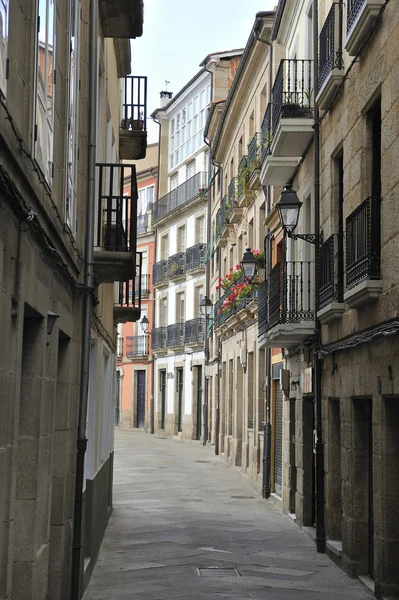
{"x":3,"y":43}
{"x":200,"y":230}
{"x":164,"y":311}
{"x":196,"y":105}
{"x":190,"y":170}
{"x":208,"y":94}
{"x":165,"y":247}
{"x":198,"y":295}
{"x":44,"y":76}
{"x":180,"y":308}
{"x":181,"y":239}
{"x":72,"y":151}
{"x":146,"y":198}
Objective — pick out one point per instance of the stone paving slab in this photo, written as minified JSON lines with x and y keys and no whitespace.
{"x":187,"y":526}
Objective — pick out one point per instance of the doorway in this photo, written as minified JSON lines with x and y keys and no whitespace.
{"x":162,"y":375}
{"x":199,"y":402}
{"x":179,"y":385}
{"x":140,"y":383}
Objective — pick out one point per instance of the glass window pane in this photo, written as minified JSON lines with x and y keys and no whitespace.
{"x":195,"y":105}
{"x":3,"y":43}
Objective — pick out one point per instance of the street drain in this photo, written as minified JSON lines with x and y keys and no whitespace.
{"x":217,"y":572}
{"x":243,"y":497}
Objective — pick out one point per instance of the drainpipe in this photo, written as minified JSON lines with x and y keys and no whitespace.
{"x":319,"y":446}
{"x":152,"y":399}
{"x":267,"y":440}
{"x":207,"y":288}
{"x":77,"y":558}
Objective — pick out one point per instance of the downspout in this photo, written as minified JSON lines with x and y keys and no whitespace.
{"x":267,"y":441}
{"x":319,"y":447}
{"x":207,"y":289}
{"x":152,"y":399}
{"x":77,"y":558}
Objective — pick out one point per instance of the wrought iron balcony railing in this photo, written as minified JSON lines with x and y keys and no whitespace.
{"x":159,"y":338}
{"x":330,"y":44}
{"x":142,"y":223}
{"x":195,"y":257}
{"x":176,"y":335}
{"x":177,"y":265}
{"x":142,"y":283}
{"x":263,"y":307}
{"x":185,"y":192}
{"x":363,"y":242}
{"x":194,"y":331}
{"x":127,"y":306}
{"x":160,"y":272}
{"x":242,"y":176}
{"x":116,"y":214}
{"x":292,"y":91}
{"x":222,"y":314}
{"x":253,"y":154}
{"x":353,"y":9}
{"x":290,"y":298}
{"x":232,"y":193}
{"x":134,"y":105}
{"x":136,"y":345}
{"x":331,"y":271}
{"x":266,"y":133}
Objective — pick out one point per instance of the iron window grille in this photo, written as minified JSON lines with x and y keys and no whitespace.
{"x":195,"y":257}
{"x":136,"y":345}
{"x":330,"y":44}
{"x":331,"y":284}
{"x":159,"y":338}
{"x":363,"y":242}
{"x":194,"y":331}
{"x":177,"y":265}
{"x":292,"y":91}
{"x":176,"y":335}
{"x":134,"y":105}
{"x":182,"y":194}
{"x":160,"y":272}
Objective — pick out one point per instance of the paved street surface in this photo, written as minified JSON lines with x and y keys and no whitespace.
{"x":187,"y":526}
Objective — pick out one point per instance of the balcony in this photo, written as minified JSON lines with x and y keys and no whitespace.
{"x":227,"y":320}
{"x":287,"y":128}
{"x":127,"y":307}
{"x":222,"y":223}
{"x":191,"y":189}
{"x":137,"y":346}
{"x":159,"y":339}
{"x":160,"y":273}
{"x":176,"y":335}
{"x":363,"y":246}
{"x":242,"y":183}
{"x":121,"y":18}
{"x":195,"y":259}
{"x":253,"y":162}
{"x":233,"y":210}
{"x":331,"y":302}
{"x":331,"y":63}
{"x":194,"y":332}
{"x":133,"y":129}
{"x":288,"y":309}
{"x":360,"y":17}
{"x":142,"y":224}
{"x":115,"y":236}
{"x":177,"y":266}
{"x":142,"y":283}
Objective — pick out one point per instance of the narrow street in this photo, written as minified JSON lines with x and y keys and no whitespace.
{"x":185,"y":525}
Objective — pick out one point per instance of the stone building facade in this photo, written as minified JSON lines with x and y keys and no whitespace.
{"x":236,"y":370}
{"x":180,"y":221}
{"x":44,"y":154}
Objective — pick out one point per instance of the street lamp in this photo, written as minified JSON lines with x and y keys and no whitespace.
{"x":289,"y":207}
{"x":144,"y":324}
{"x":205,"y":306}
{"x":248,"y":265}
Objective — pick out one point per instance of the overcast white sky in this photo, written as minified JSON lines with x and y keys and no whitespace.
{"x":178,"y":34}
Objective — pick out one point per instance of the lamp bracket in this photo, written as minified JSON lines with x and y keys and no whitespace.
{"x":312,"y":238}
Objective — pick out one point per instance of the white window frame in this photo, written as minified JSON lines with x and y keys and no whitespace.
{"x":73,"y":118}
{"x":4,"y":13}
{"x":44,"y":121}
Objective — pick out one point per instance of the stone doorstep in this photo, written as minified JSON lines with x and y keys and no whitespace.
{"x":334,"y":546}
{"x":367,"y":581}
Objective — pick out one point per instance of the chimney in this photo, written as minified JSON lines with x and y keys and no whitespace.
{"x":165,"y":97}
